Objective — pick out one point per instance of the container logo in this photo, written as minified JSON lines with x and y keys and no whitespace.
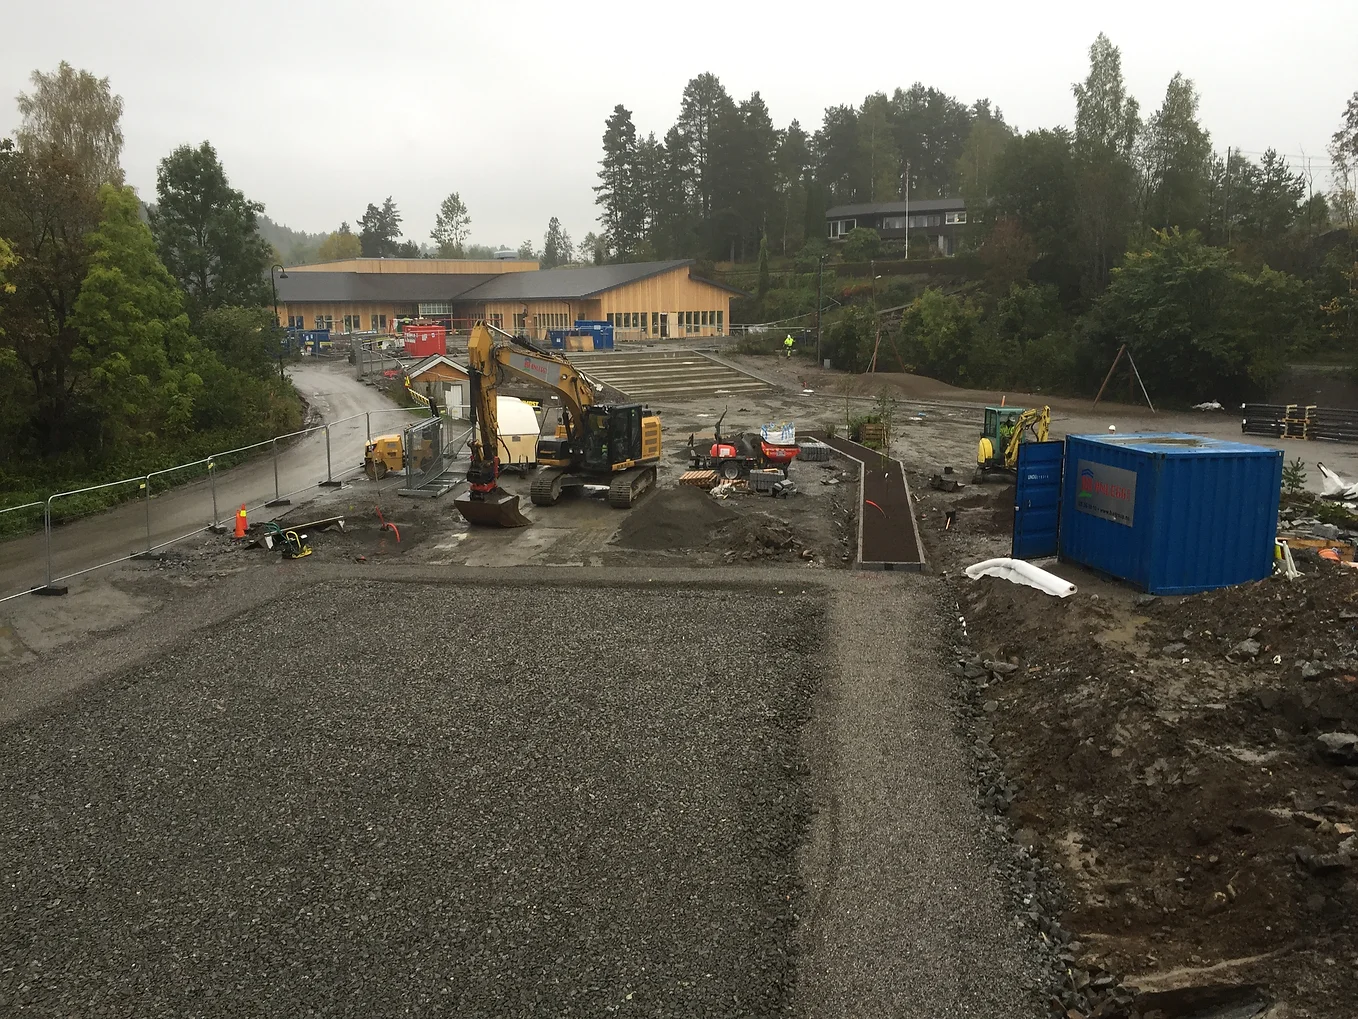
{"x":1108,"y":493}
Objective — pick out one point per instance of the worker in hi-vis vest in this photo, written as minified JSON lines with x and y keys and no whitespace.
{"x":787,"y":345}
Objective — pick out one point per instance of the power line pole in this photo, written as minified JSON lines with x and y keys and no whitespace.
{"x":907,"y":209}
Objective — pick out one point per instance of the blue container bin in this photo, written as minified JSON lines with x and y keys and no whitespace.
{"x":1170,"y":513}
{"x":601,"y":331}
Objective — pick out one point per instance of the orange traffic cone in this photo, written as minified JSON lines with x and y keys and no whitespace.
{"x":240,"y":522}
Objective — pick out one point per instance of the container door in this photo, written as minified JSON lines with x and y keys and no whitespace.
{"x":1037,"y":499}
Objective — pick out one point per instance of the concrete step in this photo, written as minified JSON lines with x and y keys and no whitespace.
{"x":648,"y":376}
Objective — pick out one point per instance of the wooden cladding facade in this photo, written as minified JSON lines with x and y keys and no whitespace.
{"x":667,"y":305}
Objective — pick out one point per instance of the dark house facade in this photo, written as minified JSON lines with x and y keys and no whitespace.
{"x":942,"y":221}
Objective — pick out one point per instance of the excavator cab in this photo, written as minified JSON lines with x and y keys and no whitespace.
{"x":997,"y":451}
{"x":612,"y":436}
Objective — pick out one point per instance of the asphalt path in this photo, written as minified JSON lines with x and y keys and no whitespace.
{"x":333,"y":393}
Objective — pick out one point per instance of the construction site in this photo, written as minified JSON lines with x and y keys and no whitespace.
{"x":692,"y":706}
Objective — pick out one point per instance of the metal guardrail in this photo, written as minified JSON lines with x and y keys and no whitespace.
{"x":146,"y":489}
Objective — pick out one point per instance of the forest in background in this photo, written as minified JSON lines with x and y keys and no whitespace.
{"x":1214,"y":266}
{"x":125,"y":345}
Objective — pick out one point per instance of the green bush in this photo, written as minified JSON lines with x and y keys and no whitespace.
{"x":862,"y":244}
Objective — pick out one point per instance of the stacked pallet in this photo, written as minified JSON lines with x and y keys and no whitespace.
{"x":706,"y":480}
{"x":1299,"y":421}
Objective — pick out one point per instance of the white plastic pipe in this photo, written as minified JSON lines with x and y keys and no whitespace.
{"x":1016,"y":571}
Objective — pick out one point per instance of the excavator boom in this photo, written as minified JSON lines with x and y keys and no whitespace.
{"x":488,"y":361}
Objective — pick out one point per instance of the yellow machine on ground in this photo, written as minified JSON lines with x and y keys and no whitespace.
{"x":617,"y":445}
{"x":386,"y":453}
{"x":1004,"y":430}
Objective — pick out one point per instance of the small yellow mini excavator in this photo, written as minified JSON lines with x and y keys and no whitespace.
{"x":1005,"y":428}
{"x":617,"y":445}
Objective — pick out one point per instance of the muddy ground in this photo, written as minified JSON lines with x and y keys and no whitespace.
{"x":1178,"y":822}
{"x":1177,"y":766}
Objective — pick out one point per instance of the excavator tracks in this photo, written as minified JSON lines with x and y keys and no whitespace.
{"x":630,"y":485}
{"x":546,"y":487}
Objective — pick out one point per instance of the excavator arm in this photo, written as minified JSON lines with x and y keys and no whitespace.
{"x":491,"y":361}
{"x":1036,"y":419}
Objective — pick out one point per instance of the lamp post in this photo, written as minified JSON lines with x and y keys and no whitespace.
{"x":273,"y":285}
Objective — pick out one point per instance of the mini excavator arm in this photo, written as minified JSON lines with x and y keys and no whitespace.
{"x":1038,"y":421}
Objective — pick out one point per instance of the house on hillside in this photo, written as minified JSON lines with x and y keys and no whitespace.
{"x":940,"y":220}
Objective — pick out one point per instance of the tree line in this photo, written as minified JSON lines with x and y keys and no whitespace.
{"x":379,"y":235}
{"x":128,"y":336}
{"x":1122,"y":227}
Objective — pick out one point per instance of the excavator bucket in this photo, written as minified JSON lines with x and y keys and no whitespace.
{"x":496,"y":509}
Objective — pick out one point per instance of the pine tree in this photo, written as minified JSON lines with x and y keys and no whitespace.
{"x":556,"y":245}
{"x":619,"y":191}
{"x":380,"y":230}
{"x":1106,"y":129}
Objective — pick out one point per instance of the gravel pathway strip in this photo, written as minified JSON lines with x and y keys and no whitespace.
{"x":909,"y":916}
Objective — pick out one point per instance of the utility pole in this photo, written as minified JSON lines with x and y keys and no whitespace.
{"x":820,"y":275}
{"x":907,"y":209}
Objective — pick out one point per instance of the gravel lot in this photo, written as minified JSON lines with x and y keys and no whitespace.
{"x":290,"y":815}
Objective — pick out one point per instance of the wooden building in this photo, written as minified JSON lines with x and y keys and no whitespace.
{"x":440,"y":377}
{"x":643,"y":300}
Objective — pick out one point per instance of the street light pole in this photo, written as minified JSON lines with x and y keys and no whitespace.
{"x":273,"y":285}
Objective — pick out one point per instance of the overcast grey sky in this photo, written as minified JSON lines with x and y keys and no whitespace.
{"x":318,"y":107}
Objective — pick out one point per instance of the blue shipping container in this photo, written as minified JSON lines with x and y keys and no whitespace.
{"x":1170,"y":513}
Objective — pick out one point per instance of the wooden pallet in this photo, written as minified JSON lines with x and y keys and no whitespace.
{"x":699,"y":479}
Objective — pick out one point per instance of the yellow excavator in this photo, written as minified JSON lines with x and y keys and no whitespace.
{"x":1004,"y":430}
{"x":617,"y":445}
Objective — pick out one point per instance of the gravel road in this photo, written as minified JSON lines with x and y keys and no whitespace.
{"x":250,"y":805}
{"x":333,"y":393}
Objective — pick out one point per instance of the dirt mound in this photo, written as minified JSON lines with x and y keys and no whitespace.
{"x":1167,"y":754}
{"x":673,"y":518}
{"x":759,"y":536}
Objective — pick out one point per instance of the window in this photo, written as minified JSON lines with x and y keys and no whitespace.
{"x":926,"y":220}
{"x":520,"y":321}
{"x":610,"y":319}
{"x":719,"y":315}
{"x":704,"y":321}
{"x":893,"y":222}
{"x":956,"y":218}
{"x":329,"y":322}
{"x":840,"y":227}
{"x":320,"y":321}
{"x":436,"y":308}
{"x":374,"y":320}
{"x":655,"y":321}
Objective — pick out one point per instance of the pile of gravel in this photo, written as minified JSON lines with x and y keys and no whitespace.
{"x":375,"y":802}
{"x":673,"y":518}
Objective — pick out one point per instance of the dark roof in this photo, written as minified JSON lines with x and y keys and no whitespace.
{"x":570,"y":284}
{"x":539,"y":285}
{"x":897,"y":208}
{"x":303,"y":287}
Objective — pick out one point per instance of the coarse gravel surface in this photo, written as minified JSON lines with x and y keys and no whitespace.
{"x":908,"y":912}
{"x":482,"y":800}
{"x":282,"y":792}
